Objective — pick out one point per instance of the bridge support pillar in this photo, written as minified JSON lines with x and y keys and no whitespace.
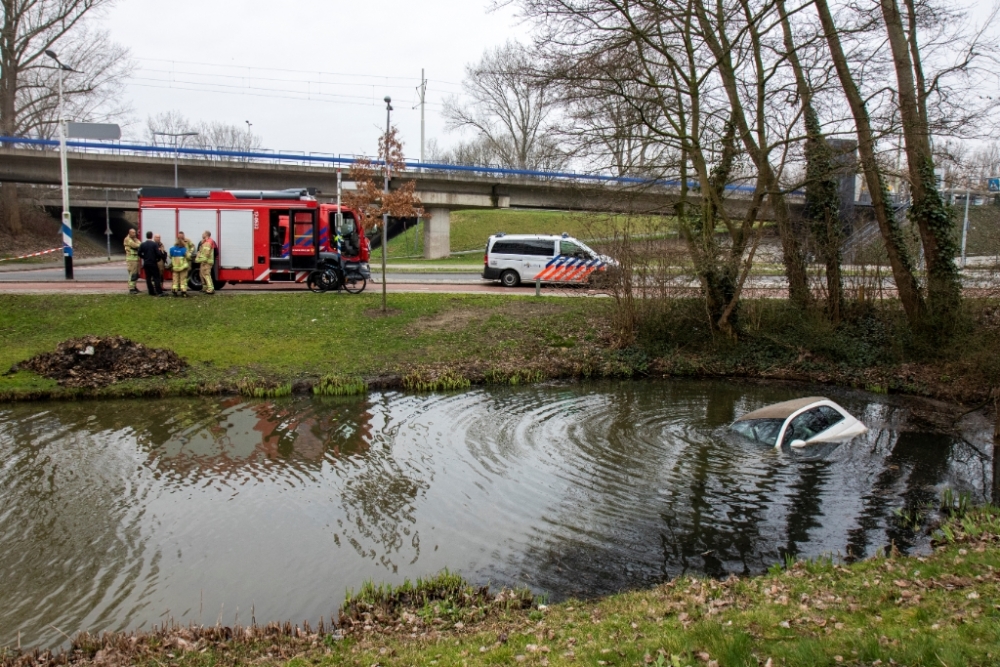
{"x":437,"y":233}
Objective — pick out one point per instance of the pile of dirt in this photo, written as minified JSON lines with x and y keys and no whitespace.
{"x":97,"y":362}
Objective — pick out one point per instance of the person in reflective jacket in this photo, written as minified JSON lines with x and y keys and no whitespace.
{"x":132,"y":260}
{"x":189,"y":245}
{"x":180,"y":266}
{"x":205,"y":259}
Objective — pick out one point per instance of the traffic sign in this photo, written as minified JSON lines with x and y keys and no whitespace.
{"x":99,"y":131}
{"x":995,"y":185}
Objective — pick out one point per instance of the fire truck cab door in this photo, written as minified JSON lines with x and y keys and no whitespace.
{"x":305,"y":239}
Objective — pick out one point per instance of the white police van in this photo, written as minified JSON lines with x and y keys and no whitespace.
{"x":512,"y":258}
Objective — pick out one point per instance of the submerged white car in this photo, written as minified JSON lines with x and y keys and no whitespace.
{"x":800,"y":422}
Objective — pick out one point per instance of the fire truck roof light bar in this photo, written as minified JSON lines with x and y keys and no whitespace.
{"x":206,"y":193}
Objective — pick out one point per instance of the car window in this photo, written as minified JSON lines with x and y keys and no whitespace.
{"x":761,"y":430}
{"x":807,"y":425}
{"x":832,"y":415}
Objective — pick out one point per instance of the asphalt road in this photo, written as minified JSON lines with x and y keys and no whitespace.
{"x":110,"y":278}
{"x":114,"y":272}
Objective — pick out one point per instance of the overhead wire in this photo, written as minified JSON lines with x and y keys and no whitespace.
{"x":300,"y":71}
{"x":222,"y":83}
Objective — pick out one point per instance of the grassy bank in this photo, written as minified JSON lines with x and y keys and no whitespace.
{"x":266,"y":342}
{"x":272,"y":344}
{"x":470,"y":229}
{"x":939,"y":609}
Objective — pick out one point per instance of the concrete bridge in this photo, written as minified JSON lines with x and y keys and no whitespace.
{"x":94,"y":175}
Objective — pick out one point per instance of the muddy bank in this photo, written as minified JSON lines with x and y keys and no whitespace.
{"x":940,"y":381}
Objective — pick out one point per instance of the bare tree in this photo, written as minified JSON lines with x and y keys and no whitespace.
{"x":508,"y":110}
{"x":822,"y":188}
{"x":28,"y":78}
{"x":928,"y":209}
{"x":370,"y":198}
{"x":475,"y":152}
{"x":214,"y":135}
{"x":609,"y":134}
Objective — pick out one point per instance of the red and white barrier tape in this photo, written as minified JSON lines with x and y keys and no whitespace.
{"x":34,"y":254}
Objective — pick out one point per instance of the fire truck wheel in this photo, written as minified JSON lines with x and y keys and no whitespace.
{"x":315,"y":282}
{"x":355,"y":283}
{"x":194,"y":280}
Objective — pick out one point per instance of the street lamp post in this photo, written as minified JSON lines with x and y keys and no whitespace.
{"x":179,"y":138}
{"x":67,"y":222}
{"x":385,"y":191}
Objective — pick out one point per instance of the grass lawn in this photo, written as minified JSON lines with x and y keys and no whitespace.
{"x":280,"y":338}
{"x":471,"y":229}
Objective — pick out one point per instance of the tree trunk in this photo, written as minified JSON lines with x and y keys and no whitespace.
{"x":996,"y":450}
{"x":928,"y":211}
{"x":902,"y":266}
{"x":792,"y":255}
{"x":822,"y":189}
{"x":11,"y":208}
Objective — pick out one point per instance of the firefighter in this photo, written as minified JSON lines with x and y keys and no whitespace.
{"x":132,"y":260}
{"x":205,"y":259}
{"x":187,"y":244}
{"x":180,"y":265}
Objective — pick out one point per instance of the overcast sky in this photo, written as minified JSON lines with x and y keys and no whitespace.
{"x":310,"y":75}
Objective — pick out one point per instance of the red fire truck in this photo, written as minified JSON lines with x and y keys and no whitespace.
{"x":261,"y":236}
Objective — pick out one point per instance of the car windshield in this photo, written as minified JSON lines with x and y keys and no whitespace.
{"x":761,"y":430}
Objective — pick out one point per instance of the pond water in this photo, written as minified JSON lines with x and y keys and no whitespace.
{"x":121,"y":515}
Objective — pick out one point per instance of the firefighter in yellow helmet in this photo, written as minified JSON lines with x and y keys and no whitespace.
{"x":205,"y":259}
{"x":180,"y":265}
{"x":132,"y":260}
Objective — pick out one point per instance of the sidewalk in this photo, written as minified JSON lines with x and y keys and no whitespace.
{"x":38,"y":266}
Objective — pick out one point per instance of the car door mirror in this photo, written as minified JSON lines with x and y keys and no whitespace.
{"x":798,"y":443}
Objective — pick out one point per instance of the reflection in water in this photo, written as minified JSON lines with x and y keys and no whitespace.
{"x":120,"y":514}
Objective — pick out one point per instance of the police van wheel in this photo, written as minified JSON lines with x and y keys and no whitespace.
{"x":510,"y":278}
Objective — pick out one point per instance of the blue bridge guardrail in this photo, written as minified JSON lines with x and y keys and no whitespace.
{"x":314,"y":158}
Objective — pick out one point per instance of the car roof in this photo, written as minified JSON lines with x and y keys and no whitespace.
{"x":782,"y":410}
{"x":544,"y":237}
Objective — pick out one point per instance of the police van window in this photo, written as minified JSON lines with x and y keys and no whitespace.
{"x":571,"y":249}
{"x":506,"y":247}
{"x":539,"y":248}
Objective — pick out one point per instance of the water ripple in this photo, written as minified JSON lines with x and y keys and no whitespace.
{"x":121,"y":514}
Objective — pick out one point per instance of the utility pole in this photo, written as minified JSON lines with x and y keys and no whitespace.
{"x":179,"y":138}
{"x":67,"y":220}
{"x":107,"y":222}
{"x":965,"y":224}
{"x":422,"y":90}
{"x":385,"y":191}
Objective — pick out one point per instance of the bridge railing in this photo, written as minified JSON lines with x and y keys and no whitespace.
{"x":266,"y":156}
